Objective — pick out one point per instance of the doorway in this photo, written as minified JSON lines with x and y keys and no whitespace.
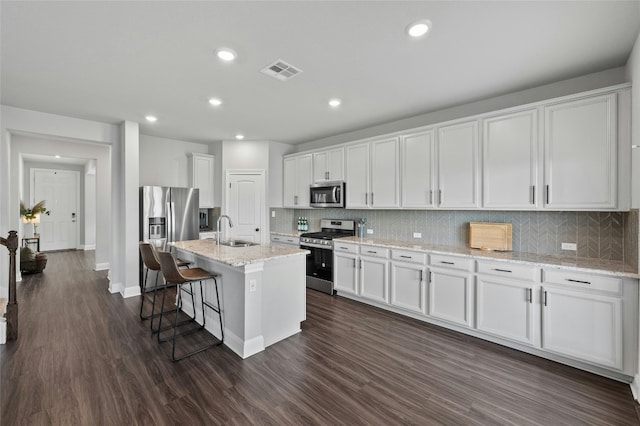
{"x":60,"y":189}
{"x":246,"y":205}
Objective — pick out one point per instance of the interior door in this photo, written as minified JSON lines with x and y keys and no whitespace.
{"x":59,"y":189}
{"x":245,"y":206}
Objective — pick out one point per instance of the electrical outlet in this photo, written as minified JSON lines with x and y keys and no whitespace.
{"x":417,"y":235}
{"x":252,"y":286}
{"x":369,"y":231}
{"x":273,"y":213}
{"x":569,"y":246}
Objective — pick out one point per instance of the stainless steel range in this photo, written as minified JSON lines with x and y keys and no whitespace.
{"x":320,"y":244}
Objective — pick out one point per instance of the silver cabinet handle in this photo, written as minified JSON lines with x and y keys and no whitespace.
{"x":372,"y":251}
{"x":421,"y":276}
{"x":447,"y":263}
{"x":502,"y":270}
{"x":439,"y":197}
{"x":295,"y":199}
{"x":430,"y":278}
{"x":354,"y":263}
{"x":372,"y":198}
{"x":530,"y":295}
{"x":406,"y":257}
{"x":430,"y":196}
{"x":578,"y":281}
{"x":545,"y":298}
{"x":326,"y":175}
{"x":547,"y":194}
{"x":366,"y":198}
{"x":533,"y":195}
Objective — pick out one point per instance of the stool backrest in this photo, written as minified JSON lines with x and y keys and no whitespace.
{"x":170,"y":269}
{"x":149,"y":256}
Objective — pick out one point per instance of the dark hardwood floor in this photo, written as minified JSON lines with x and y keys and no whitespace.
{"x":84,"y":357}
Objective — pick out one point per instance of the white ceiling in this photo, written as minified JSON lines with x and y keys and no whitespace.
{"x":114,"y":61}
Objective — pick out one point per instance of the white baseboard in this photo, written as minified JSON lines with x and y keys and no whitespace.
{"x":115,"y":287}
{"x":87,"y":247}
{"x":101,"y":266}
{"x":131,"y":291}
{"x":635,"y":387}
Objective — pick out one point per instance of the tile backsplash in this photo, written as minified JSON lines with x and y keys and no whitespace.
{"x":599,"y":235}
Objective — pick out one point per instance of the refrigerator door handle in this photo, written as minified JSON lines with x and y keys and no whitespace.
{"x":170,"y":223}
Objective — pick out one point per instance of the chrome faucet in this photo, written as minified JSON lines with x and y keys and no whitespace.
{"x":218,"y":227}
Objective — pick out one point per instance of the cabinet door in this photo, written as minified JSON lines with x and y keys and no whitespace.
{"x":581,"y":154}
{"x":336,"y":165}
{"x":510,"y":159}
{"x":450,"y":296}
{"x":321,"y":166}
{"x":417,"y":171}
{"x":357,"y":175}
{"x":345,"y":273}
{"x":407,"y":287}
{"x":373,"y":279}
{"x":304,"y":175}
{"x":289,"y":190}
{"x":505,"y":308}
{"x":385,"y":174}
{"x":458,"y":166}
{"x":202,"y":178}
{"x":582,"y":326}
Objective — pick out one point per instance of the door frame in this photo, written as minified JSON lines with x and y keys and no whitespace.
{"x":263,"y":197}
{"x":77,"y":206}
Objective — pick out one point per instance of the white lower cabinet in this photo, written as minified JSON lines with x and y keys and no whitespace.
{"x":408,"y":287}
{"x":345,"y":273}
{"x":505,"y":308}
{"x":374,"y":283}
{"x":450,"y":289}
{"x":583,"y":326}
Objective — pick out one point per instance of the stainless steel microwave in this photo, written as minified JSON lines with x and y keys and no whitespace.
{"x":327,"y":194}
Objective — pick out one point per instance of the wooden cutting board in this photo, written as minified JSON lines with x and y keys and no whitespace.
{"x":490,"y":236}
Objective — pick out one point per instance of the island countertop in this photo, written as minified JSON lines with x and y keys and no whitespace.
{"x":237,"y":256}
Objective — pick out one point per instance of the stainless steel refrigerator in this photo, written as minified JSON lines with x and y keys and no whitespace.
{"x":168,"y":214}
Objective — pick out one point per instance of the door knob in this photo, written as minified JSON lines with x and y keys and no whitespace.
{"x":257,"y":229}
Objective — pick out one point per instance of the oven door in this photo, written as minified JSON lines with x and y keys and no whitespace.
{"x":319,"y":268}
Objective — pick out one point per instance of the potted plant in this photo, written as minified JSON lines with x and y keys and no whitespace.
{"x":32,"y":215}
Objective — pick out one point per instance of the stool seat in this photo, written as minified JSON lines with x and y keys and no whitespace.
{"x":174,"y":276}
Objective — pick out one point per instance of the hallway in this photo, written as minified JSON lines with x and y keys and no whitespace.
{"x":84,"y":357}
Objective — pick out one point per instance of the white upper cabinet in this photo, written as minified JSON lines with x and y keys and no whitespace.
{"x":357,"y":175}
{"x":581,"y":154}
{"x":328,"y":165}
{"x":510,"y":161}
{"x":201,"y":177}
{"x":458,"y":166}
{"x":417,"y":153}
{"x":372,"y":174}
{"x":297,"y":176}
{"x":385,"y":170}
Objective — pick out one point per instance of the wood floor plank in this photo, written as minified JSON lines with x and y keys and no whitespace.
{"x":84,"y":357}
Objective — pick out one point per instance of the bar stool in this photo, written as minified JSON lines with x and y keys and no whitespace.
{"x":176,"y":277}
{"x":151,"y":262}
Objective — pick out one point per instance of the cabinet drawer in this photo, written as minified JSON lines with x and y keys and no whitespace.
{"x":282,"y":239}
{"x":374,"y":251}
{"x":409,"y":256}
{"x":510,"y":270}
{"x":345,"y":248}
{"x":451,"y":262}
{"x":611,"y":285}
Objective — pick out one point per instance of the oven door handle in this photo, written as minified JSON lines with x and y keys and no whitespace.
{"x":309,"y":246}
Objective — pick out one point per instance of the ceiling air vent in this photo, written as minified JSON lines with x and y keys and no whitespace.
{"x":281,"y":70}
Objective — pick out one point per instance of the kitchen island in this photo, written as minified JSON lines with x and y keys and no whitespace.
{"x":262,"y":292}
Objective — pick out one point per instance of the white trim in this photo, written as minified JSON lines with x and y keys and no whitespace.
{"x":115,"y":288}
{"x":101,"y":266}
{"x":243,"y":349}
{"x":86,"y":247}
{"x":635,"y":387}
{"x":130,"y":291}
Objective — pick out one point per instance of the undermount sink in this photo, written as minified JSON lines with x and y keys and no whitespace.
{"x":237,"y":243}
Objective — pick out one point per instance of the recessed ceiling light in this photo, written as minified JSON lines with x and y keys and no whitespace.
{"x":335,"y":103}
{"x":151,"y":118}
{"x":215,"y":101}
{"x":239,"y":136}
{"x":226,"y":54}
{"x":419,"y":28}
{"x":57,"y":156}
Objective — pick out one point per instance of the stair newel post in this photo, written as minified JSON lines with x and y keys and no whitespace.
{"x":11,"y":314}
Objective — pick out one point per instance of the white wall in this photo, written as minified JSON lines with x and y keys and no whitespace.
{"x":90,"y":201}
{"x":566,"y":87}
{"x":164,"y":162}
{"x":276,"y":151}
{"x":633,"y":75}
{"x":85,"y":136}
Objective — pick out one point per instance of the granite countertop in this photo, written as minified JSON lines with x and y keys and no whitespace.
{"x":292,"y":233}
{"x":237,"y":256}
{"x":608,"y":267}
